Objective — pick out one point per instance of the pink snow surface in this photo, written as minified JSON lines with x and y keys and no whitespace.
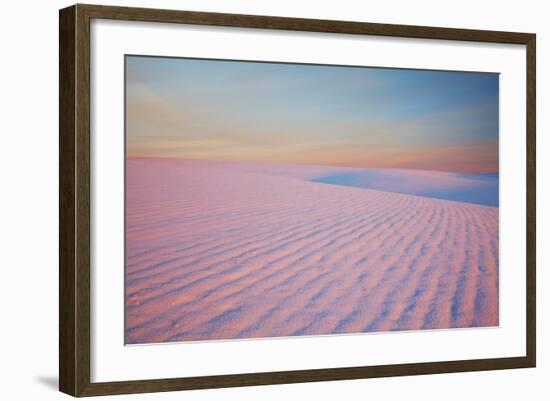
{"x":222,"y":250}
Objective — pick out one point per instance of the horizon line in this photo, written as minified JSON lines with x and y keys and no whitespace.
{"x":130,"y":157}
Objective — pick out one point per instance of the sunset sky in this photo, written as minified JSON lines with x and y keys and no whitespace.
{"x":305,"y":114}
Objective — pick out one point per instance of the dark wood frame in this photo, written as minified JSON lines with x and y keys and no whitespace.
{"x":74,"y":199}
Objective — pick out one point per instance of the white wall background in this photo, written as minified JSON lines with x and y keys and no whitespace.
{"x":28,"y":201}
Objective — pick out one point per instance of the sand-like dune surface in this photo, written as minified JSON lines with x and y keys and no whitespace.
{"x":220,"y":250}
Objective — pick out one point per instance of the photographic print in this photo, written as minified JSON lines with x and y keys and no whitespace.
{"x":278,"y":200}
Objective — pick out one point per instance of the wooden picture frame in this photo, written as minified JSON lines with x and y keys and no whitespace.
{"x":74,"y":200}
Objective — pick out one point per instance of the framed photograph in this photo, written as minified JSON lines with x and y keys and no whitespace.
{"x":249,"y":200}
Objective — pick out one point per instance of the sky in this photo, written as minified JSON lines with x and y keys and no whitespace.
{"x":312,"y":114}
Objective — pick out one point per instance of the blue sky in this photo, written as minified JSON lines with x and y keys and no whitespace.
{"x":312,"y":114}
